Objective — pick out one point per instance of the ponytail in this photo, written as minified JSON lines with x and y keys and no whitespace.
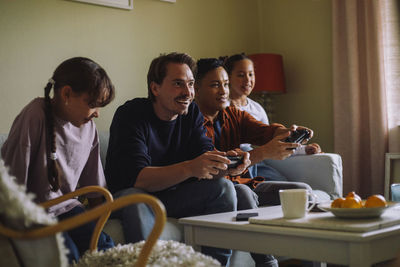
{"x":230,"y":61}
{"x":83,"y":75}
{"x":223,"y":59}
{"x":53,"y":167}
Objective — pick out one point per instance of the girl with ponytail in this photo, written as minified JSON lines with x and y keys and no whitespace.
{"x":53,"y":144}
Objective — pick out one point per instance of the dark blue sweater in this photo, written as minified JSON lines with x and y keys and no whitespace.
{"x":138,"y":138}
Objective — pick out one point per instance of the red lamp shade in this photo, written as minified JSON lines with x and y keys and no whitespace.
{"x":269,"y":73}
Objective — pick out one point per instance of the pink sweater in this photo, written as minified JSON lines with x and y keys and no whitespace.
{"x":24,"y":152}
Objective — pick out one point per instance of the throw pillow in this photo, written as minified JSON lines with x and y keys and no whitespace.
{"x":164,"y":254}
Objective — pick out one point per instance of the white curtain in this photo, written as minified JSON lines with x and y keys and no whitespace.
{"x":391,"y":50}
{"x":361,"y":93}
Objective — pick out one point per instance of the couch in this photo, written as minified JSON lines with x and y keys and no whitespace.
{"x":323,"y":172}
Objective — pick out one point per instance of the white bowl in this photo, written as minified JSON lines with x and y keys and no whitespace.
{"x":361,"y":213}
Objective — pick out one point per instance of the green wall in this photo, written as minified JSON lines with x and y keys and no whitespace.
{"x":301,"y":32}
{"x":37,"y":35}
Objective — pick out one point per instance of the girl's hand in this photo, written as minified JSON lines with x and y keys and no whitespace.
{"x":313,"y":148}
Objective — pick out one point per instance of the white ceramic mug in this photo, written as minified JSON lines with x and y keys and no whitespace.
{"x":295,"y":201}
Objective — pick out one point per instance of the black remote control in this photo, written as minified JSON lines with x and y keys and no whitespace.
{"x":245,"y":216}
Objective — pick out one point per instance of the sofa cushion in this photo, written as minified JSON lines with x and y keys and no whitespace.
{"x":7,"y":256}
{"x":322,"y":172}
{"x":103,"y":139}
{"x":3,"y":138}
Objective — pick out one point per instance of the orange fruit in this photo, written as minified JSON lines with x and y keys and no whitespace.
{"x":352,"y":202}
{"x":353,"y":195}
{"x":375,"y":201}
{"x":337,"y":203}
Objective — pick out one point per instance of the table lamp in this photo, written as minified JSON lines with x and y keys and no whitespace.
{"x":269,"y":79}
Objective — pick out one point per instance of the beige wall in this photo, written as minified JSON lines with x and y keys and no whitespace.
{"x":301,"y":32}
{"x":37,"y":35}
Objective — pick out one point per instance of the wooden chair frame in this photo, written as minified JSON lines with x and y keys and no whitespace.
{"x":101,"y":213}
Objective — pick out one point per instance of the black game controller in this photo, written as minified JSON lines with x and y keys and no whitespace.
{"x":297,"y":136}
{"x":235,"y":161}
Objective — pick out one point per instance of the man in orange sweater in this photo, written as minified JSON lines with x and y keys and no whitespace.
{"x":228,"y":127}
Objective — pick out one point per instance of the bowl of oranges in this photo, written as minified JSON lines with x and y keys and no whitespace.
{"x":352,"y":206}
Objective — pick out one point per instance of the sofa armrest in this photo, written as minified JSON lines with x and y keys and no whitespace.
{"x":321,"y":171}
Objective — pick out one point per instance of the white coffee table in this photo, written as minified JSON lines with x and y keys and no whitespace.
{"x":359,"y":249}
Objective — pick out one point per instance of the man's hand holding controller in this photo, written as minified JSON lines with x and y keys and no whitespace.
{"x":235,"y":161}
{"x":214,"y":164}
{"x":298,"y":136}
{"x":302,"y":135}
{"x":239,"y":162}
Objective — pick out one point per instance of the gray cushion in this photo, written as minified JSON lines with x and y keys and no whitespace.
{"x":7,"y":256}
